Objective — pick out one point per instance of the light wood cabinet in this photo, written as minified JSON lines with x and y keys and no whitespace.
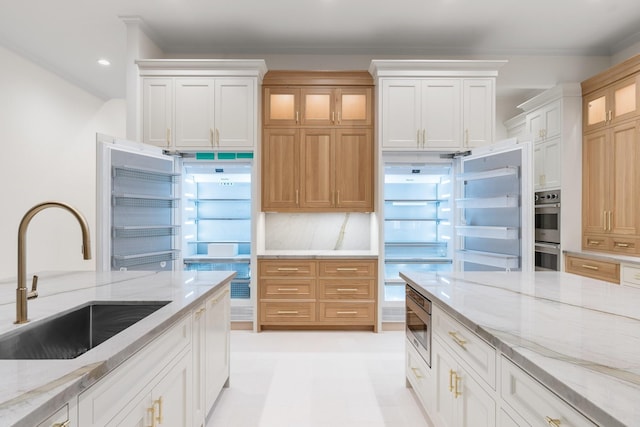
{"x":308,"y":293}
{"x":611,"y":152}
{"x":608,"y":271}
{"x":317,"y":152}
{"x":200,"y":105}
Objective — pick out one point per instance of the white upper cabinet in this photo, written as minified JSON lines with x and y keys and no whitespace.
{"x":435,"y":105}
{"x":200,"y":105}
{"x":545,"y":123}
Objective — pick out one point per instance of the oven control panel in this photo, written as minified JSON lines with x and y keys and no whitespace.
{"x":547,"y":197}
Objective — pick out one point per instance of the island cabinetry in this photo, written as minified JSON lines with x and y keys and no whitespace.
{"x":608,"y":271}
{"x":630,"y":275}
{"x":63,"y":417}
{"x":317,"y":145}
{"x":153,"y":388}
{"x":611,"y":152}
{"x":419,"y":377}
{"x":211,"y":329}
{"x":200,"y":105}
{"x":464,"y":370}
{"x":309,"y":293}
{"x":534,"y":402}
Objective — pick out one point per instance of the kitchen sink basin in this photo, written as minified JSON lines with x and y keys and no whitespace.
{"x":70,"y":334}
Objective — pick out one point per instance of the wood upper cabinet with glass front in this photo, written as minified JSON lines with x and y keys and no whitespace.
{"x":317,"y":145}
{"x":610,"y":159}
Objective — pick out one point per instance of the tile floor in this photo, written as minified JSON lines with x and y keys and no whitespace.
{"x":317,"y":379}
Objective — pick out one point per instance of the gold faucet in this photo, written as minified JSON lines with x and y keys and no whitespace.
{"x":21,"y":291}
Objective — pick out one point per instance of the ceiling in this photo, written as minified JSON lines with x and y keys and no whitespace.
{"x":68,"y":36}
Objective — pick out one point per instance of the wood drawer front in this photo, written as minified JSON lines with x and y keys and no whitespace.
{"x":287,"y":312}
{"x":596,"y":243}
{"x":624,"y":245}
{"x":596,"y":269}
{"x":630,"y":275}
{"x":347,"y":312}
{"x":286,"y":268}
{"x":287,"y":289}
{"x":476,"y":352}
{"x":346,"y":289}
{"x":533,"y":401}
{"x":343,"y":268}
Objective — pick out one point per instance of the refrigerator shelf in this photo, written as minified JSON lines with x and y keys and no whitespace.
{"x":507,"y":201}
{"x":413,"y":202}
{"x":507,"y":262}
{"x":415,"y":219}
{"x":492,"y":173}
{"x":144,"y":174}
{"x":220,"y":218}
{"x":239,"y":242}
{"x":145,"y":231}
{"x":488,"y":232}
{"x":418,"y":261}
{"x":207,"y":200}
{"x":120,"y":261}
{"x":144,"y":201}
{"x":429,"y":244}
{"x":207,"y":259}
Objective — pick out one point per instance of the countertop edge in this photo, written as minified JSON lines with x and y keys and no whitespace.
{"x":563,"y":391}
{"x":30,"y":416}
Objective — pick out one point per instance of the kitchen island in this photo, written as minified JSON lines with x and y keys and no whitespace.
{"x":32,"y":390}
{"x":578,"y":337}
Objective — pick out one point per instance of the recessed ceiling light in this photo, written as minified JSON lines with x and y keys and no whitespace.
{"x":104,"y":62}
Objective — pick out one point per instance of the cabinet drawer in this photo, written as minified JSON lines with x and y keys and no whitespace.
{"x":287,"y":312}
{"x":596,"y":269}
{"x":344,"y":268}
{"x":347,"y":312}
{"x":624,"y":245}
{"x":346,"y":289}
{"x":477,"y":353}
{"x":287,"y":268}
{"x":287,"y":289}
{"x":630,"y":275}
{"x":534,"y":402}
{"x":596,"y":243}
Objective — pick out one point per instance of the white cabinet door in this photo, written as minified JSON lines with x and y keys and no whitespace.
{"x":218,"y":327}
{"x":194,"y":113}
{"x":235,"y":114}
{"x":545,"y":122}
{"x":157,"y":111}
{"x":547,"y":157}
{"x":460,"y":401}
{"x":478,"y":112}
{"x":172,"y":396}
{"x":401,"y":114}
{"x":419,"y":376}
{"x":441,"y":113}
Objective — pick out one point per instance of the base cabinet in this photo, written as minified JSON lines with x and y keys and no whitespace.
{"x":63,"y":417}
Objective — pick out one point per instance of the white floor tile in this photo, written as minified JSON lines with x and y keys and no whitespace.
{"x":317,"y":379}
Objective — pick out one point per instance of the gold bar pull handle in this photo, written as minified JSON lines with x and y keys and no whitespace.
{"x":288,"y":269}
{"x":198,"y":313}
{"x":418,"y":138}
{"x":346,"y":312}
{"x":347,"y":269}
{"x":451,"y":374}
{"x":217,"y":137}
{"x":454,"y":335}
{"x":604,"y":220}
{"x":159,"y":403}
{"x":553,"y":421}
{"x":287,"y":312}
{"x":424,"y":137}
{"x":590,"y":267}
{"x":64,"y":424}
{"x":347,"y":289}
{"x":297,"y":197}
{"x":609,"y":222}
{"x":287,"y":289}
{"x":333,"y":117}
{"x":339,"y":117}
{"x":593,"y":242}
{"x":152,"y":413}
{"x":338,"y":198}
{"x":297,"y":116}
{"x":622,"y":245}
{"x":456,"y":381}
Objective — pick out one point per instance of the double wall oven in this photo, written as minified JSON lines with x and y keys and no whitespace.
{"x":547,"y":230}
{"x":418,"y":325}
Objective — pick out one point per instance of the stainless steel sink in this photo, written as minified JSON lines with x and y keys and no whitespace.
{"x":70,"y":334}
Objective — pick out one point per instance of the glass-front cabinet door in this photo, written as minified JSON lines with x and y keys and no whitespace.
{"x":281,"y":106}
{"x":612,"y":104}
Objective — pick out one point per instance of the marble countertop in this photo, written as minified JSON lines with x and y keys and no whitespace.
{"x":33,"y":389}
{"x":578,"y":336}
{"x":626,"y":259}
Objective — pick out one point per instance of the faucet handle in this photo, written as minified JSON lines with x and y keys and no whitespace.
{"x":34,"y":288}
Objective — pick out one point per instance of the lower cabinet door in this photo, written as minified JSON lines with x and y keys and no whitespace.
{"x":476,"y":407}
{"x":138,"y":414}
{"x":172,"y":396}
{"x":419,"y":376}
{"x":444,"y":366}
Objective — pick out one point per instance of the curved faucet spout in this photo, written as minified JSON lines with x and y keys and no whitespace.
{"x":21,"y":291}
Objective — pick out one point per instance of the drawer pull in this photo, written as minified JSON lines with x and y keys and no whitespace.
{"x":346,"y":312}
{"x":622,"y":245}
{"x":64,"y":424}
{"x":287,"y":289}
{"x":287,"y":312}
{"x":347,"y":268}
{"x":593,"y":242}
{"x":590,"y":267}
{"x":456,"y":380}
{"x":347,"y":289}
{"x":198,"y":313}
{"x":451,"y":374}
{"x":287,"y":268}
{"x":417,"y":373}
{"x":552,"y":421}
{"x":457,"y":339}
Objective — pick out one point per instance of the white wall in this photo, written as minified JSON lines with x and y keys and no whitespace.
{"x":47,"y":132}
